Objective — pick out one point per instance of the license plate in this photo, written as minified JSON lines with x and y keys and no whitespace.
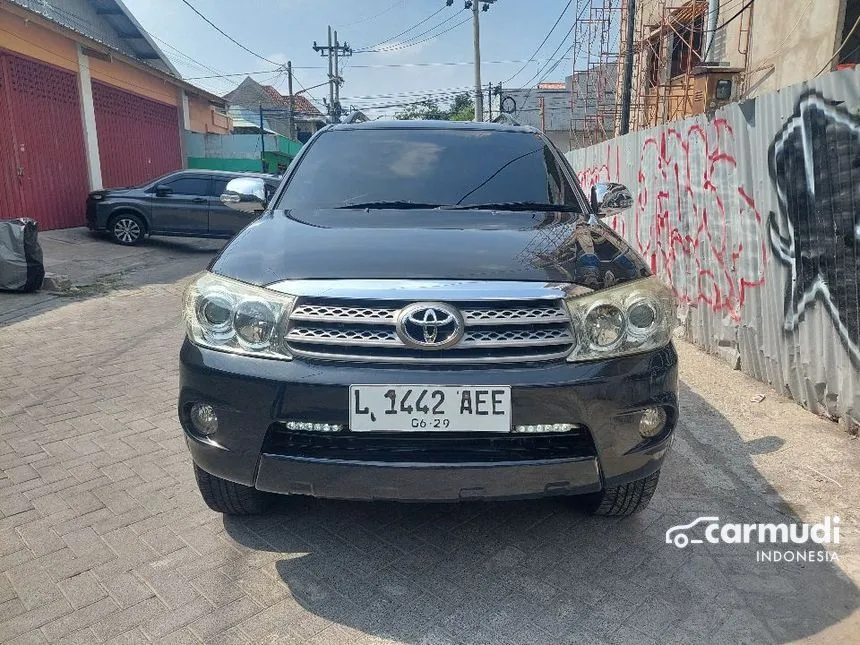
{"x":429,"y":408}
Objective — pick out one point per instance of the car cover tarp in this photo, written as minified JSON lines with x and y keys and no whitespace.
{"x":21,"y":266}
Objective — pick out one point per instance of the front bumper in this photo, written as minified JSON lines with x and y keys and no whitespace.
{"x":425,"y":482}
{"x":253,"y":397}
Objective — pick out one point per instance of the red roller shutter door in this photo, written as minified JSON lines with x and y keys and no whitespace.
{"x":43,"y":172}
{"x":138,"y":137}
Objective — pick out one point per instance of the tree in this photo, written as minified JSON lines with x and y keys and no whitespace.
{"x":428,"y":109}
{"x":462,"y":108}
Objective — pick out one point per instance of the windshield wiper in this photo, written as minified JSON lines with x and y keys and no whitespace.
{"x":517,"y":206}
{"x":385,"y":205}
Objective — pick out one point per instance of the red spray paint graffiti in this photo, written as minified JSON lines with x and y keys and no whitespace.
{"x":694,"y":221}
{"x":609,"y":170}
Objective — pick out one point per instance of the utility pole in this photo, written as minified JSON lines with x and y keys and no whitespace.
{"x":291,"y":122}
{"x":336,"y":78}
{"x":476,"y":36}
{"x":330,"y":77}
{"x":542,"y":109}
{"x":333,"y":51}
{"x":262,"y":141}
{"x":627,"y":86}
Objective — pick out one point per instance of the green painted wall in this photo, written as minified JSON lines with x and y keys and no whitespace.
{"x":239,"y":152}
{"x":236,"y":165}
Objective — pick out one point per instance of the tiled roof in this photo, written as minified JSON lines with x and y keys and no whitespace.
{"x":300,"y":103}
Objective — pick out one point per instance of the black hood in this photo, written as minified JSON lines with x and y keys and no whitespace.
{"x":430,"y":245}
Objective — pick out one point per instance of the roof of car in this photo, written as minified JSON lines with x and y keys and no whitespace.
{"x":422,"y":124}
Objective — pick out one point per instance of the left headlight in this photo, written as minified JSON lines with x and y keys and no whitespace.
{"x":633,"y":317}
{"x":232,"y":316}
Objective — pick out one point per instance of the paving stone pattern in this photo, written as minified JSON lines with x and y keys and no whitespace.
{"x":104,"y":537}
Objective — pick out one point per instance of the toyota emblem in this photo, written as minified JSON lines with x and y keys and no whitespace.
{"x":430,"y":325}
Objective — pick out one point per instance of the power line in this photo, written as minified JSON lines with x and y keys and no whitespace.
{"x":229,"y":37}
{"x":259,"y":71}
{"x":177,"y":54}
{"x":557,"y":62}
{"x":429,"y":100}
{"x":433,"y":37}
{"x":304,"y":89}
{"x":373,"y":17}
{"x":563,"y":40}
{"x":551,"y":60}
{"x":541,"y":61}
{"x":740,"y":11}
{"x":420,"y":98}
{"x":407,"y":30}
{"x":553,"y":68}
{"x":119,"y":81}
{"x":543,"y":42}
{"x":392,"y":105}
{"x":441,"y":90}
{"x":188,"y":59}
{"x":400,"y":45}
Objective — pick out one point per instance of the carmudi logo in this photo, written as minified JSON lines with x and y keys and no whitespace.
{"x":709,"y":529}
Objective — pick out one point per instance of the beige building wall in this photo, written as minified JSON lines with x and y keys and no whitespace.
{"x":204,"y":117}
{"x":792,"y":41}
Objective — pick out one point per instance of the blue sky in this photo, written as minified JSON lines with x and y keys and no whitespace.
{"x":285,"y":29}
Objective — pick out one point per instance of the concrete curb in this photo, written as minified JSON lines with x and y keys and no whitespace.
{"x":56,"y":282}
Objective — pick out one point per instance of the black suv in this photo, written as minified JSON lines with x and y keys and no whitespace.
{"x":428,"y":311}
{"x":184,"y":203}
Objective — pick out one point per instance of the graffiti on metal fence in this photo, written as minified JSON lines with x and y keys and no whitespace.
{"x":814,"y":165}
{"x":688,"y":192}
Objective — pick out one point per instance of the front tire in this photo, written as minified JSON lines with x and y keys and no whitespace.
{"x":229,"y":497}
{"x":127,"y":229}
{"x":624,"y":500}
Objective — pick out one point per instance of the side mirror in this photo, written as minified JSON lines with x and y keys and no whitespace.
{"x":163,"y":189}
{"x":610,"y":199}
{"x":246,"y":194}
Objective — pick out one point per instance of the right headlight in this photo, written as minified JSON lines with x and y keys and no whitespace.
{"x":235,"y":317}
{"x":633,"y":317}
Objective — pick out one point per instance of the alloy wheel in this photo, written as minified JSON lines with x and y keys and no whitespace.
{"x":126,"y":230}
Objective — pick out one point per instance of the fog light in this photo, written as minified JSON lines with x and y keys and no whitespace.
{"x":306,"y":426}
{"x":652,"y":422}
{"x":546,"y":427}
{"x":203,"y":418}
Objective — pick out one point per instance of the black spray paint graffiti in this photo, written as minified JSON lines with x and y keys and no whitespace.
{"x":814,"y":164}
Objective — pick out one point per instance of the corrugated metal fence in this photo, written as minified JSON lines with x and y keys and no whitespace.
{"x":753,"y":216}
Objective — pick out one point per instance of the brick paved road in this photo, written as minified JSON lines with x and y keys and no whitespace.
{"x":104,"y":538}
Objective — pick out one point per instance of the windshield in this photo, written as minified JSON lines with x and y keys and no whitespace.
{"x":428,"y":168}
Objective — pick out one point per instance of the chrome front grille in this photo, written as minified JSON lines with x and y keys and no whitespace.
{"x":365,"y":330}
{"x":334,"y":313}
{"x":357,"y":337}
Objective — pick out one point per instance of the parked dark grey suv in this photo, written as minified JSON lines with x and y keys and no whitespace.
{"x":428,"y":311}
{"x":183,"y":203}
